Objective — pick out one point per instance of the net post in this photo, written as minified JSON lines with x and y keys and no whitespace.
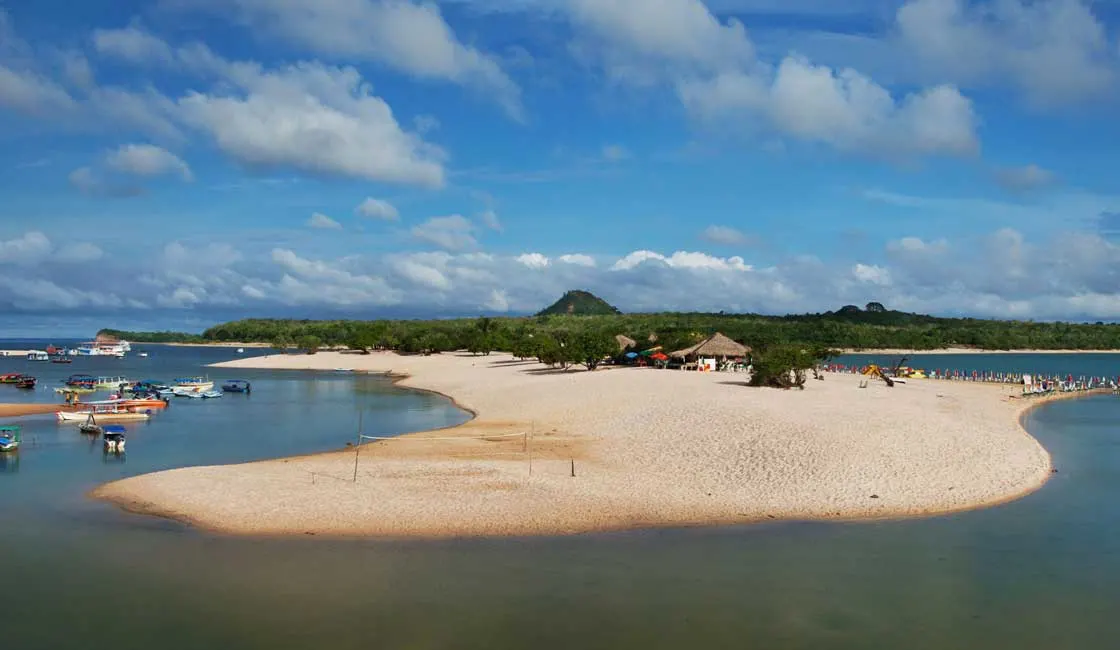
{"x":357,"y":446}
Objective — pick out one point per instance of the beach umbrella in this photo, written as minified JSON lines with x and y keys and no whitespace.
{"x":631,"y":355}
{"x":659,"y":356}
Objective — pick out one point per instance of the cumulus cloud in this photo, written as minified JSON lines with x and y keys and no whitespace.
{"x":454,"y":232}
{"x":1055,"y":51}
{"x":323,"y":222}
{"x":407,"y":36}
{"x":147,"y":160}
{"x":309,"y":116}
{"x":315,"y":118}
{"x":578,"y":259}
{"x":1072,"y":275}
{"x":724,"y":235}
{"x":378,"y":209}
{"x":714,"y":69}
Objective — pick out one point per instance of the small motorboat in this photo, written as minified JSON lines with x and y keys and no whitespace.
{"x":237,"y":386}
{"x":9,"y":438}
{"x":114,"y":439}
{"x":26,"y":383}
{"x":89,"y":427}
{"x":209,"y":394}
{"x":11,"y":378}
{"x":61,"y":359}
{"x":142,"y":354}
{"x":102,"y":413}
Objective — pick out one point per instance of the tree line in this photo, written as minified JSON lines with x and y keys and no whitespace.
{"x":849,"y":327}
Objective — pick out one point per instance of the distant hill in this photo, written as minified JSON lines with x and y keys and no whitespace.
{"x":579,"y":303}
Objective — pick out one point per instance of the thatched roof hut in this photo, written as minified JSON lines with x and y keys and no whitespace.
{"x":625,"y":342}
{"x":716,"y":345}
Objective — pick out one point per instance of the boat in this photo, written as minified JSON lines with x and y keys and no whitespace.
{"x":10,"y":437}
{"x":27,"y":383}
{"x":200,"y":384}
{"x":142,"y":354}
{"x":61,"y":359}
{"x":142,"y":405}
{"x":241,"y":350}
{"x":344,"y":370}
{"x":38,"y":355}
{"x":89,"y":427}
{"x":11,"y":378}
{"x":237,"y":386}
{"x":104,"y":346}
{"x":76,"y":390}
{"x":114,"y":438}
{"x":111,"y":412}
{"x":210,"y":394}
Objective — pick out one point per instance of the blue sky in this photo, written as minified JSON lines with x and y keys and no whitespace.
{"x":176,"y":162}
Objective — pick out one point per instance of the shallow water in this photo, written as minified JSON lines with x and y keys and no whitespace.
{"x":1041,"y":572}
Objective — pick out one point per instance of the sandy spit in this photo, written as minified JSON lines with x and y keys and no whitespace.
{"x":649,"y":448}
{"x":17,"y":410}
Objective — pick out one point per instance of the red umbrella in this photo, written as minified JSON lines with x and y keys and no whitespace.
{"x":659,"y":356}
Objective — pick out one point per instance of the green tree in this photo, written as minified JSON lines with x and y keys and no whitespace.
{"x":784,"y":366}
{"x":309,"y":343}
{"x":281,"y":343}
{"x":591,"y":346}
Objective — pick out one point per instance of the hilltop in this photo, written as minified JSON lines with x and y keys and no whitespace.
{"x":579,"y":303}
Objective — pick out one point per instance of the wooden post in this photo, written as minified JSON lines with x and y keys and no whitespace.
{"x":573,"y":468}
{"x":357,"y":446}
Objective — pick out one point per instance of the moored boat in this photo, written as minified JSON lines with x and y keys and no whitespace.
{"x":27,"y":383}
{"x":114,"y":438}
{"x":38,"y":355}
{"x":198,"y":384}
{"x":10,"y":437}
{"x":237,"y":386}
{"x":102,"y":413}
{"x":11,"y":378}
{"x":61,"y":359}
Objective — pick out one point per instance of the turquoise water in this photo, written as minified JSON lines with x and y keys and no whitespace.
{"x":1041,"y":572}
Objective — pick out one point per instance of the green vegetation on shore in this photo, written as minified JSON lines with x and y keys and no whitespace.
{"x":154,"y":337}
{"x":848,"y":327}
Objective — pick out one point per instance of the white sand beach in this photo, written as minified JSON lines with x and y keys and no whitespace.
{"x":649,"y":448}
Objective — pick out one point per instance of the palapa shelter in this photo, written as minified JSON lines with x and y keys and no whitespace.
{"x":624,"y":342}
{"x":717,"y":345}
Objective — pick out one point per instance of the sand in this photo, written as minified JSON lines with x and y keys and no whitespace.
{"x":648,"y":447}
{"x":17,"y":410}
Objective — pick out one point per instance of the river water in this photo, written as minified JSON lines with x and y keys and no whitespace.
{"x":1040,"y":572}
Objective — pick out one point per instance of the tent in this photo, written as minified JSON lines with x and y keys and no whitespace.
{"x":716,"y":345}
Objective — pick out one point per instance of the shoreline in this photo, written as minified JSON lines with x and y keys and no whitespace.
{"x":967,"y":351}
{"x":275,"y":497}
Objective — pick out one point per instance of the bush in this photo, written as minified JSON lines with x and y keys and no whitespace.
{"x":784,"y":366}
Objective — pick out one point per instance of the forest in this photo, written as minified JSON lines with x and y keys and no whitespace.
{"x":850,"y":327}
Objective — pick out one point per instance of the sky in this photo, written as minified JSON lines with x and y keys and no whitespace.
{"x":176,"y":163}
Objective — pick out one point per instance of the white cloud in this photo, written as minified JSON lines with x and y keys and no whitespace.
{"x":30,"y":247}
{"x":1029,"y":177}
{"x":30,"y":93}
{"x":407,"y":36}
{"x":680,"y":260}
{"x":533,"y":260}
{"x":1055,"y":51}
{"x":872,"y":274}
{"x":713,"y":67}
{"x":133,"y":45}
{"x":378,"y":209}
{"x":147,"y":160}
{"x":490,"y":219}
{"x":454,"y":232}
{"x":724,"y":235}
{"x":1071,"y":275}
{"x":843,"y":109}
{"x":578,"y":259}
{"x":77,"y":70}
{"x":322,"y":221}
{"x":315,"y":118}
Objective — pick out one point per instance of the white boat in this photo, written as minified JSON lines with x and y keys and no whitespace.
{"x":103,"y":347}
{"x":197,"y":384}
{"x":209,"y":394}
{"x":38,"y":355}
{"x":100,"y":413}
{"x":143,"y":354}
{"x":111,"y":382}
{"x":240,"y":350}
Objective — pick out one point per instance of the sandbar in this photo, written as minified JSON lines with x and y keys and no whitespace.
{"x":648,"y":448}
